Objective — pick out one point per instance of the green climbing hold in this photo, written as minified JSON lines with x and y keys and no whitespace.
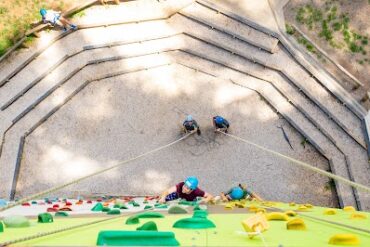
{"x":158,"y":205}
{"x":98,"y":207}
{"x":132,"y":220}
{"x":135,"y":218}
{"x":184,"y":202}
{"x":148,"y":207}
{"x":149,"y":226}
{"x":197,"y":207}
{"x":177,"y":210}
{"x":16,"y":221}
{"x":123,"y":207}
{"x":45,"y":218}
{"x":200,"y":213}
{"x":114,"y":211}
{"x":118,"y":205}
{"x":105,"y":209}
{"x":194,"y":223}
{"x":136,"y":238}
{"x":33,"y":202}
{"x":1,"y":226}
{"x":62,"y":214}
{"x":135,"y":204}
{"x":131,"y":202}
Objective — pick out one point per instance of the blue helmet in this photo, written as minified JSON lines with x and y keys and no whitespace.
{"x":189,"y":118}
{"x":219,"y":120}
{"x":42,"y":12}
{"x":191,"y":183}
{"x":236,"y":193}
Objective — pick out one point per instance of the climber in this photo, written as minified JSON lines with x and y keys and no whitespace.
{"x":239,"y":192}
{"x":220,"y":123}
{"x":53,"y":17}
{"x":190,"y":125}
{"x":187,"y":190}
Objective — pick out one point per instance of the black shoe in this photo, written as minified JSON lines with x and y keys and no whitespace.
{"x":225,"y":130}
{"x":198,"y":132}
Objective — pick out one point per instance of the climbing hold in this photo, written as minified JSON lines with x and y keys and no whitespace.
{"x":292,"y":204}
{"x":307,"y":205}
{"x":132,"y":220}
{"x":105,"y":209}
{"x":184,"y":202}
{"x":302,"y":208}
{"x":148,"y":226}
{"x":33,"y":202}
{"x":200,"y":214}
{"x":261,"y":210}
{"x":68,"y":204}
{"x":255,"y":223}
{"x":1,"y":226}
{"x":194,"y":223}
{"x":136,"y":238}
{"x":89,"y":202}
{"x":230,"y":205}
{"x":296,"y":224}
{"x":27,"y":204}
{"x":65,"y":209}
{"x":135,"y":204}
{"x":177,"y":210}
{"x":290,"y":213}
{"x":118,"y":205}
{"x":148,"y":207}
{"x":114,"y":211}
{"x":80,"y":202}
{"x":131,"y":202}
{"x":45,"y":218}
{"x":55,"y":206}
{"x":16,"y":221}
{"x":123,"y":207}
{"x":349,"y":209}
{"x":329,"y":211}
{"x":106,"y":204}
{"x":145,"y":202}
{"x":158,"y":205}
{"x":344,"y":239}
{"x":253,"y":208}
{"x":197,"y":207}
{"x":63,"y":214}
{"x":277,"y":216}
{"x":97,"y":207}
{"x":358,"y":216}
{"x":51,"y":210}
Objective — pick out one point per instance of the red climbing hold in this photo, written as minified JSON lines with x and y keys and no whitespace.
{"x":26,"y":204}
{"x":51,"y":210}
{"x":56,"y":206}
{"x":89,"y":202}
{"x":68,"y":203}
{"x":65,"y":209}
{"x":99,"y":200}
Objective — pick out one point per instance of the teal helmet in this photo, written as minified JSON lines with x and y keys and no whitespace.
{"x":191,"y":183}
{"x":189,"y":118}
{"x":236,"y":193}
{"x":42,"y":12}
{"x":219,"y":120}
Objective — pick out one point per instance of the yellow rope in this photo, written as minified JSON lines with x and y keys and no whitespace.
{"x":42,"y":193}
{"x":303,"y":164}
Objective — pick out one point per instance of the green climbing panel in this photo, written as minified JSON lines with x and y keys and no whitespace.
{"x":45,"y":218}
{"x":137,"y":238}
{"x":148,"y":226}
{"x":98,"y":207}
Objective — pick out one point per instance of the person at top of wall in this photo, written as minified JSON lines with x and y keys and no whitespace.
{"x":239,"y":192}
{"x":220,"y":123}
{"x":187,"y":190}
{"x":190,"y":125}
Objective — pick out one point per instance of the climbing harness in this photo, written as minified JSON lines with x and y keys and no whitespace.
{"x":303,"y":164}
{"x":40,"y":194}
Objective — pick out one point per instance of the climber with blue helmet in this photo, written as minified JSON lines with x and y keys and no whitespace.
{"x":220,"y":123}
{"x":187,"y":190}
{"x":239,"y":192}
{"x":190,"y":125}
{"x":55,"y":18}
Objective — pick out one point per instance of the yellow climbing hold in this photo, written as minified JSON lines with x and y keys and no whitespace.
{"x":290,"y":213}
{"x":307,"y":205}
{"x":240,"y":205}
{"x":292,"y":204}
{"x":329,"y":211}
{"x":229,"y":206}
{"x":302,"y":208}
{"x":277,"y":216}
{"x":296,"y":224}
{"x":349,"y":209}
{"x":358,"y":216}
{"x":253,"y":208}
{"x":344,"y":239}
{"x":255,"y":223}
{"x":261,"y":210}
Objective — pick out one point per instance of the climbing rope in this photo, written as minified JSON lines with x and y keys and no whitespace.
{"x":42,"y":193}
{"x":43,"y":234}
{"x":302,"y":164}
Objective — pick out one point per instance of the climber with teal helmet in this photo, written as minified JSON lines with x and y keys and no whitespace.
{"x":239,"y":192}
{"x":187,"y":190}
{"x":190,"y":125}
{"x":220,"y":123}
{"x":55,"y":18}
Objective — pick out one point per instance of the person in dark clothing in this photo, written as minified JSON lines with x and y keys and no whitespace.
{"x":220,"y":123}
{"x":187,"y":190}
{"x":190,"y":125}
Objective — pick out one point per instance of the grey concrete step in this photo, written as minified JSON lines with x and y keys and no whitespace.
{"x":223,"y":23}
